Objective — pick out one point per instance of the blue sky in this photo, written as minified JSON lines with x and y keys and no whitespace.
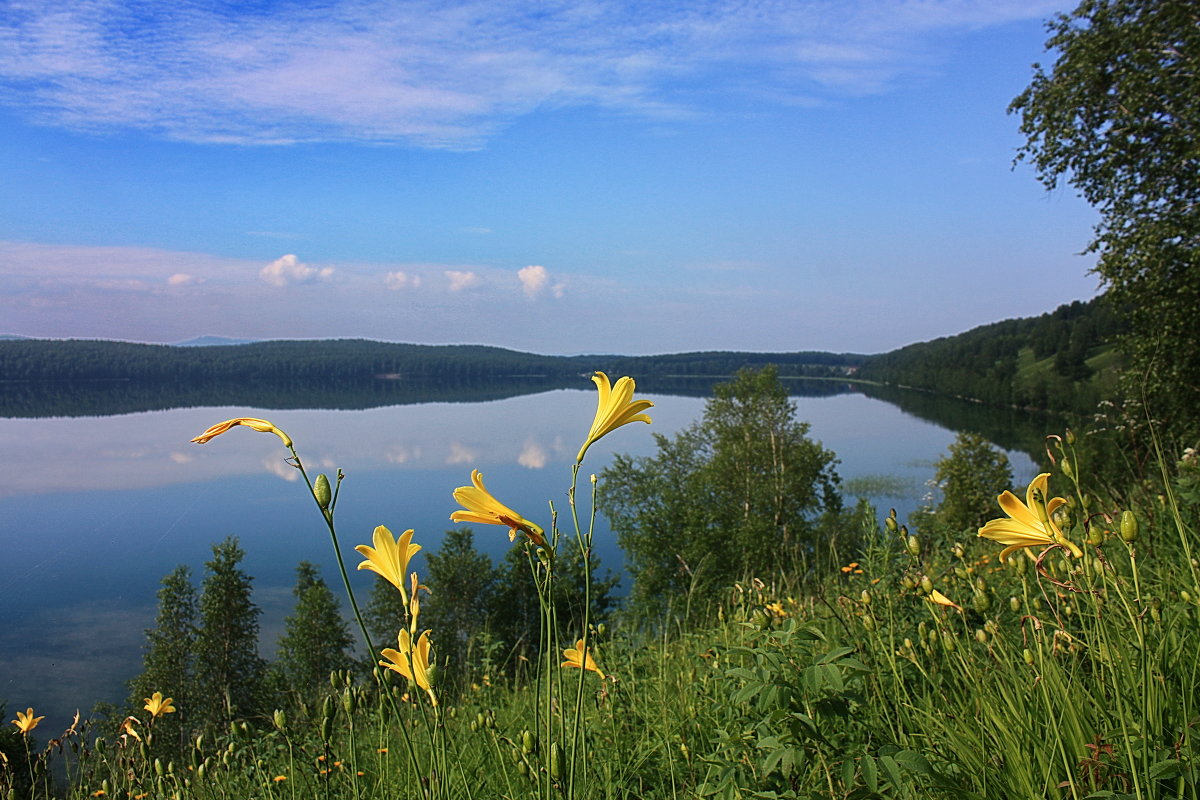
{"x":560,"y":177}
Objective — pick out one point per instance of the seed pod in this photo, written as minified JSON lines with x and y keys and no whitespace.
{"x":280,"y":719}
{"x":926,"y":584}
{"x":1027,"y":654}
{"x":1129,"y":527}
{"x":321,"y":491}
{"x":868,"y":622}
{"x":1067,"y":469}
{"x":865,"y":597}
{"x":1095,"y":536}
{"x":556,"y":762}
{"x":1070,"y":435}
{"x":981,"y":602}
{"x":981,"y":636}
{"x":948,"y":641}
{"x":158,"y":767}
{"x":1185,"y":596}
{"x":526,"y":742}
{"x":890,"y":522}
{"x":349,"y":701}
{"x":913,"y":545}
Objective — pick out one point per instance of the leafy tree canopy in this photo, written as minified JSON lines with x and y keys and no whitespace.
{"x":1118,"y":117}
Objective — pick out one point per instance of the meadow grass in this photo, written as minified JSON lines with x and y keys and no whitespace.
{"x":921,"y":669}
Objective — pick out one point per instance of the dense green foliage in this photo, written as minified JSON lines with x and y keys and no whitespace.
{"x":229,"y":672}
{"x":742,"y":491}
{"x":1117,"y":117}
{"x":1058,"y":361}
{"x":168,"y":663}
{"x":316,"y":639}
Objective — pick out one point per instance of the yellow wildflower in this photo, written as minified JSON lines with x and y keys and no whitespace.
{"x":776,"y":610}
{"x":390,"y":556}
{"x":580,"y":657}
{"x":26,"y":721}
{"x":480,"y":506}
{"x":157,"y":705}
{"x":940,"y":599}
{"x":279,"y":778}
{"x":1029,"y":524}
{"x":615,"y":407}
{"x":411,"y":662}
{"x":852,"y":567}
{"x":260,"y":425}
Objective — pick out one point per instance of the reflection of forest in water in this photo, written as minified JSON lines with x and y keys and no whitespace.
{"x":110,"y":397}
{"x":1010,"y":428}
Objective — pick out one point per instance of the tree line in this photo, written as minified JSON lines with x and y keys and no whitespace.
{"x":339,"y":360}
{"x":1059,"y":361}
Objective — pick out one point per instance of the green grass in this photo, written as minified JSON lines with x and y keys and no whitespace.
{"x":1071,"y":678}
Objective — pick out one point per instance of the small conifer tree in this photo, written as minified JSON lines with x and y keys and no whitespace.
{"x":168,"y":664}
{"x":229,"y":672}
{"x":316,"y":640}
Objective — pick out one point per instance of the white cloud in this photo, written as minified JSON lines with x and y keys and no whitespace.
{"x":279,"y":467}
{"x":450,"y":73}
{"x":461,"y":454}
{"x":401,"y":280}
{"x":533,"y":279}
{"x":288,"y":269}
{"x":533,"y":455}
{"x":461,"y":279}
{"x":183,"y":279}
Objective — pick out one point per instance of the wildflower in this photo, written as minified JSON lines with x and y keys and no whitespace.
{"x":1030,"y":524}
{"x":260,"y":425}
{"x":26,"y":721}
{"x":776,"y":610}
{"x":279,"y":778}
{"x":940,"y":599}
{"x":479,"y":506}
{"x":127,"y":728}
{"x":580,"y":657}
{"x":615,"y":407}
{"x":158,"y":706}
{"x":390,"y":556}
{"x":852,"y":567}
{"x":382,"y":750}
{"x":411,"y":662}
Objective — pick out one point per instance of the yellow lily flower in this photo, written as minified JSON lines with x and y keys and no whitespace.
{"x":26,"y":721}
{"x":615,"y":407}
{"x":480,"y":506}
{"x":157,"y":705}
{"x":579,"y":657}
{"x":390,"y":556}
{"x":411,"y":662}
{"x":940,"y":599}
{"x":260,"y":425}
{"x":1029,"y":524}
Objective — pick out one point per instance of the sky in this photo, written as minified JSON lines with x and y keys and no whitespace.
{"x":562,"y":176}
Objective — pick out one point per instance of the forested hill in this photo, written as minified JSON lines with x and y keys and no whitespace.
{"x":1060,"y":361}
{"x":342,"y":360}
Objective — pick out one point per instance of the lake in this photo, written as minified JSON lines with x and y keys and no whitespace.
{"x":97,"y":509}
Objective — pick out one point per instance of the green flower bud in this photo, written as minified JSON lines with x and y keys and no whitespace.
{"x":349,"y":701}
{"x":1185,"y":596}
{"x":556,"y":762}
{"x":526,"y":742}
{"x":1067,"y":469}
{"x":159,"y":770}
{"x":868,"y":622}
{"x":948,"y":641}
{"x":1015,"y":604}
{"x":913,"y":545}
{"x":1027,"y":654}
{"x":890,"y":522}
{"x":981,"y":636}
{"x":280,"y":719}
{"x":321,"y":491}
{"x":981,"y":602}
{"x":1095,"y":536}
{"x":926,"y":584}
{"x":1129,"y":527}
{"x":865,"y":597}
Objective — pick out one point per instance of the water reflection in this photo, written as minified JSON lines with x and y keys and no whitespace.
{"x":97,"y":510}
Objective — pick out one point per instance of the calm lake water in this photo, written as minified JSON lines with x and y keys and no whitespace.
{"x":96,"y":510}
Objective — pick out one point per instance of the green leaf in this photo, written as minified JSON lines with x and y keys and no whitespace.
{"x":869,"y":772}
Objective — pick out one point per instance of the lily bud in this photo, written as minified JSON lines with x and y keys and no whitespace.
{"x":1129,"y":527}
{"x":913,"y":545}
{"x":321,"y":491}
